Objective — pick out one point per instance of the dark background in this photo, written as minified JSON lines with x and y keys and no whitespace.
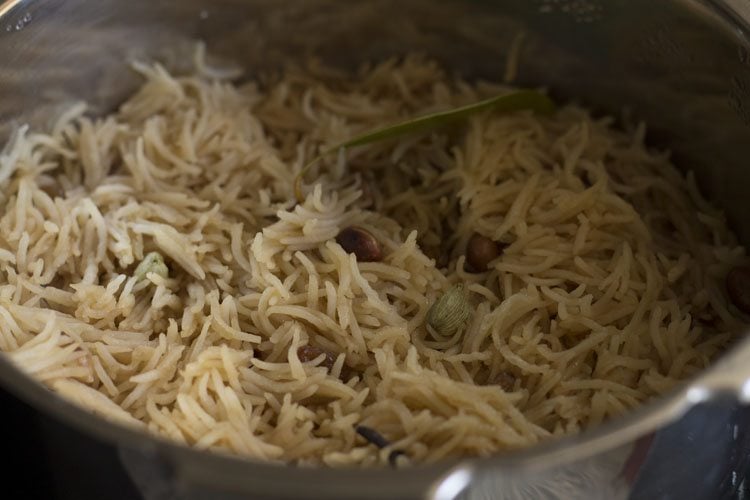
{"x":39,"y":464}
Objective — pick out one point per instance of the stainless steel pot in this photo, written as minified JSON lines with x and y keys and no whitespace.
{"x":683,"y":65}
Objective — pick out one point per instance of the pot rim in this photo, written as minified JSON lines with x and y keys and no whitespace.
{"x":727,"y":376}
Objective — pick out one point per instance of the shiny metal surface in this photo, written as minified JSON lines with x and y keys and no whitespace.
{"x":682,"y":65}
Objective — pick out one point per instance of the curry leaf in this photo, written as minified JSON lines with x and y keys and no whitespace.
{"x":515,"y":101}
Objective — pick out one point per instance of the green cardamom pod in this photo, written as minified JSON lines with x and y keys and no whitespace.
{"x":449,"y":312}
{"x":151,"y":263}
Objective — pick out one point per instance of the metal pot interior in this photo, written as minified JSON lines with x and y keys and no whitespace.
{"x":681,"y":65}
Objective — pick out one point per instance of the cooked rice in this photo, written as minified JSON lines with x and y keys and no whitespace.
{"x":609,"y":291}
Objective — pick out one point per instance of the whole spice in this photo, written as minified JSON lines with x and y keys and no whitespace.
{"x":515,"y":101}
{"x":374,"y":437}
{"x":480,"y":251}
{"x":308,"y":353}
{"x":449,"y":312}
{"x":361,"y":243}
{"x":151,"y":263}
{"x":738,"y":288}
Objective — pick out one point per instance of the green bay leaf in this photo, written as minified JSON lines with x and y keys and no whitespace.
{"x":519,"y":100}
